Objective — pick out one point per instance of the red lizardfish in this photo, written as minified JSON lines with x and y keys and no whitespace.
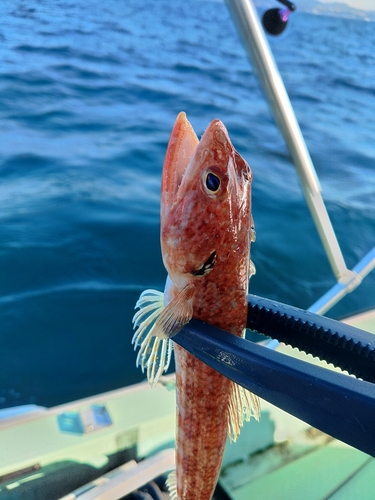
{"x":206,"y":231}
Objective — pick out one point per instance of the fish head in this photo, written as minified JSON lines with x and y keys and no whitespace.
{"x":205,"y":202}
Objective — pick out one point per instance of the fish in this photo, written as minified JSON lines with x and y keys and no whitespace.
{"x":206,"y":229}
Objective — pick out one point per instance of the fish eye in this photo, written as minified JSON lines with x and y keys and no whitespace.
{"x":212,"y":182}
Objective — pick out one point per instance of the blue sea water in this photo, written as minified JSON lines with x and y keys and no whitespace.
{"x":89,"y":92}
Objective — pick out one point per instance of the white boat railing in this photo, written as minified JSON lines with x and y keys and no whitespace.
{"x":257,"y":47}
{"x":338,"y":291}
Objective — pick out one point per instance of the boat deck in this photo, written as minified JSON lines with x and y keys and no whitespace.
{"x":308,"y":465}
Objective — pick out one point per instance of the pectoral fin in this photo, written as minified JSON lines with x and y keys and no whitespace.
{"x":154,"y":354}
{"x":176,"y":314}
{"x":155,"y":324}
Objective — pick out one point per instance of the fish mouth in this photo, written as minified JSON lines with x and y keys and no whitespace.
{"x":181,"y":147}
{"x":207,"y":266}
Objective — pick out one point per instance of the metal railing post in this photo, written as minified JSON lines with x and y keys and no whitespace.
{"x":246,"y":19}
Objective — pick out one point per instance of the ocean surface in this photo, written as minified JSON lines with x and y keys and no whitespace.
{"x":89,"y":92}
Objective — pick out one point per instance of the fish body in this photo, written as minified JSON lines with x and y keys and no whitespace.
{"x":206,"y":231}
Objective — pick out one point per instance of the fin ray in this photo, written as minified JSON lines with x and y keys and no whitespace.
{"x":243,"y":405}
{"x":172,"y":485}
{"x":155,"y":323}
{"x":252,"y":269}
{"x":143,"y":325}
{"x":154,"y":354}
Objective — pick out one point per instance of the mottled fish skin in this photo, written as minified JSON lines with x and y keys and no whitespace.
{"x":197,"y":224}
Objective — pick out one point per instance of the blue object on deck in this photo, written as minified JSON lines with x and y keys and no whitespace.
{"x":340,"y":405}
{"x":84,"y":422}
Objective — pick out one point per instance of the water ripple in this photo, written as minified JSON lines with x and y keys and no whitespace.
{"x":88,"y":95}
{"x":88,"y":286}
